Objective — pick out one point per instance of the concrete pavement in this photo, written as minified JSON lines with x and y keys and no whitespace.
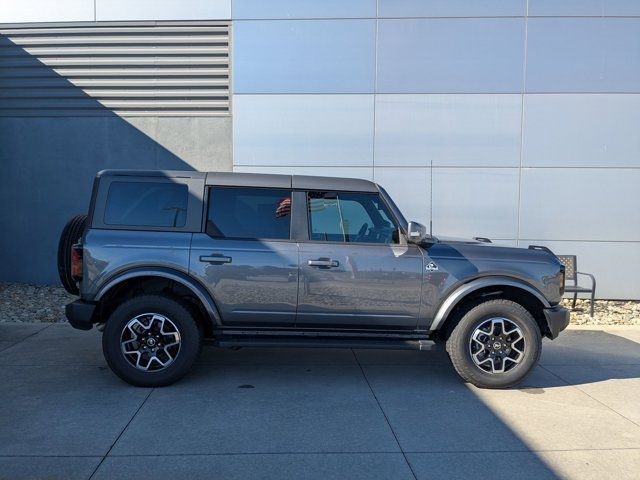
{"x":317,"y":413}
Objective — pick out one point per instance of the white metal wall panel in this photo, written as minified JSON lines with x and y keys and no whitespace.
{"x":469,"y":202}
{"x":450,"y":55}
{"x":451,"y":8}
{"x":304,"y":56}
{"x":581,"y":130}
{"x":583,"y":55}
{"x":13,"y":11}
{"x":163,"y":10}
{"x":303,"y":130}
{"x":290,"y":9}
{"x":136,"y":69}
{"x":586,"y":8}
{"x":448,"y":130}
{"x":585,"y":204}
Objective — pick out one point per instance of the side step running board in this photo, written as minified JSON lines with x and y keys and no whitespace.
{"x":325,"y":343}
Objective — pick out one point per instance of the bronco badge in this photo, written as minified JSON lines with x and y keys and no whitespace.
{"x":431,"y":267}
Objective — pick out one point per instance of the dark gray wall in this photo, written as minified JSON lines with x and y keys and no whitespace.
{"x":48,"y":165}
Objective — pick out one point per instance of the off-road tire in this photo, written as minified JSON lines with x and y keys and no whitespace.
{"x":70,"y":235}
{"x":172,"y":308}
{"x":459,"y":350}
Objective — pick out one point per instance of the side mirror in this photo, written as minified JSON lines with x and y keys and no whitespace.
{"x":416,"y":232}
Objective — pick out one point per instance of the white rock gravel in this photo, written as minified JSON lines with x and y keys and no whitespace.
{"x":607,"y":312}
{"x":21,"y":302}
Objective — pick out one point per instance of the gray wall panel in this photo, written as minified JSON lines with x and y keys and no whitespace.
{"x":451,"y":8}
{"x":409,"y":188}
{"x":583,"y":55}
{"x":49,"y":163}
{"x":280,"y":9}
{"x":471,"y":202}
{"x":12,"y":11}
{"x":163,"y":10}
{"x":304,"y":56}
{"x":595,"y":8}
{"x":614,"y":264}
{"x":582,"y":130}
{"x":450,"y":55}
{"x":346,"y":172}
{"x":450,"y":129}
{"x":580,"y":204}
{"x":304,"y":130}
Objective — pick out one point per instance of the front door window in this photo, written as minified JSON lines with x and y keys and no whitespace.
{"x":350,"y":218}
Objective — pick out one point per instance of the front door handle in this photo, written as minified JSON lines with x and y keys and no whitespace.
{"x":215,"y":258}
{"x":324,"y":263}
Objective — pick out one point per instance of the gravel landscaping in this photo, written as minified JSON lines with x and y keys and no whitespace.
{"x":20,"y":302}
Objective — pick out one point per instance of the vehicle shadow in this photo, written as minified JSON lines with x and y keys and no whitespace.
{"x":360,"y":400}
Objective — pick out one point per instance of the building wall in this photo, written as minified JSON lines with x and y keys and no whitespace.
{"x":79,"y":97}
{"x":528,"y":112}
{"x":511,"y":119}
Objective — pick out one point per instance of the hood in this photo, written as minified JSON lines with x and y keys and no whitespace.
{"x":483,"y":248}
{"x":462,"y":240}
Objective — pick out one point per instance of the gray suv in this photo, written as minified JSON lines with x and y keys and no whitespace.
{"x":167,"y":260}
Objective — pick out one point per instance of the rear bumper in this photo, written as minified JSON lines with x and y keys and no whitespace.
{"x":557,"y":320}
{"x":80,"y":314}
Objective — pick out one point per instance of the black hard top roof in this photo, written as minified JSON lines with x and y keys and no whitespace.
{"x":256,"y":179}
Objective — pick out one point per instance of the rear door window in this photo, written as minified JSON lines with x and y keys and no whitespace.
{"x":249,"y":213}
{"x":152,"y":204}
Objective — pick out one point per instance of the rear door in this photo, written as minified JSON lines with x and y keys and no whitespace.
{"x":356,"y":269}
{"x":246,"y":258}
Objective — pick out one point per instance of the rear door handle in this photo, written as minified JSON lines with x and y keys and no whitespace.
{"x":323,"y":262}
{"x":215,"y":258}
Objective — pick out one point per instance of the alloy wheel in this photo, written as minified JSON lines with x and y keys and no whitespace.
{"x":150,"y":342}
{"x":497,"y":345}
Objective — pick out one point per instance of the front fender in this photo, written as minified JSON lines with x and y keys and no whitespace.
{"x":463,"y":290}
{"x":196,"y":288}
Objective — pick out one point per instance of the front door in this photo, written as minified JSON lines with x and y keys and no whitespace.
{"x":246,"y":258}
{"x":355,"y":272}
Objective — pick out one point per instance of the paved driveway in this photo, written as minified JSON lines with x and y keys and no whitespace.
{"x":317,"y":413}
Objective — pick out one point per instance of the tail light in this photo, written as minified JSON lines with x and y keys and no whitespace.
{"x":561,"y":279}
{"x":76,"y":262}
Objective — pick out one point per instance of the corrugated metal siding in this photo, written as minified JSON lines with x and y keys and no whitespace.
{"x":159,"y":69}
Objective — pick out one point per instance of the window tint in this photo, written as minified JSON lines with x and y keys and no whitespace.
{"x":350,"y":217}
{"x":249,"y":213}
{"x":151,"y":204}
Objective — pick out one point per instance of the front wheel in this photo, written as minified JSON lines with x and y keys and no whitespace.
{"x":151,"y":340}
{"x":495,"y":345}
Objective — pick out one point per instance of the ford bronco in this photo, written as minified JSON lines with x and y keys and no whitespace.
{"x":167,"y":260}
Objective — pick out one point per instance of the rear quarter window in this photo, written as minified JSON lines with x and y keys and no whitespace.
{"x":152,"y":204}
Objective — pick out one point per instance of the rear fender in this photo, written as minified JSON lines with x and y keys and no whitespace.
{"x":195,"y":287}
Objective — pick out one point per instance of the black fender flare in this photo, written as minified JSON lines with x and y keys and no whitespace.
{"x":195,"y":287}
{"x":463,"y":290}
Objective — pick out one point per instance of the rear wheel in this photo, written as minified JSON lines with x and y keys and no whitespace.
{"x":71,"y":234}
{"x":151,"y":340}
{"x":495,"y":345}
